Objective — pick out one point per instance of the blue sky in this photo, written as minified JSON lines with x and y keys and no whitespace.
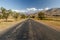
{"x":23,"y":4}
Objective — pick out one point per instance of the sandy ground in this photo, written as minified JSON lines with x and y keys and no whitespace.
{"x":53,"y":24}
{"x":6,"y":25}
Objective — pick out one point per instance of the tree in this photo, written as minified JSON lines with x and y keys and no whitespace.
{"x":5,"y":13}
{"x":3,"y":10}
{"x":0,"y":16}
{"x":32,"y":16}
{"x":10,"y":11}
{"x":16,"y":15}
{"x":23,"y":16}
{"x":41,"y":15}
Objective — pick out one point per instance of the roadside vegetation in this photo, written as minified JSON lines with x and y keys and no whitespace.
{"x":6,"y":14}
{"x":9,"y":18}
{"x":52,"y":21}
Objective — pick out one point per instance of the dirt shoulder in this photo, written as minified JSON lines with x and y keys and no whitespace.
{"x":52,"y":24}
{"x":6,"y":25}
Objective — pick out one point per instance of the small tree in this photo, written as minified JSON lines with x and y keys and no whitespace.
{"x":0,"y":16}
{"x":41,"y":15}
{"x":5,"y":13}
{"x":10,"y":11}
{"x":23,"y":16}
{"x":15,"y":16}
{"x":32,"y":16}
{"x":3,"y":10}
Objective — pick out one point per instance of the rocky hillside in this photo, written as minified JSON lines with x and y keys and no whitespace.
{"x":53,"y":11}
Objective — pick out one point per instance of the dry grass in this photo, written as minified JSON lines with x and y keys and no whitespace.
{"x":5,"y":25}
{"x":51,"y":23}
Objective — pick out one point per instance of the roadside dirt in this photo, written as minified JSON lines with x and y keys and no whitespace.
{"x":6,"y":25}
{"x":51,"y":24}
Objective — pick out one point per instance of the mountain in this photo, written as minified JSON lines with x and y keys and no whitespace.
{"x":50,"y":12}
{"x":53,"y":11}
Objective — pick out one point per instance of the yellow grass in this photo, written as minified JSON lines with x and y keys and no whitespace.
{"x":5,"y":25}
{"x":53,"y":24}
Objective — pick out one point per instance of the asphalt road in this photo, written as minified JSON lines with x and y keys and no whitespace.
{"x":30,"y":30}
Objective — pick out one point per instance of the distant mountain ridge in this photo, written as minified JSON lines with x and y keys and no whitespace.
{"x":53,"y":11}
{"x":50,"y":12}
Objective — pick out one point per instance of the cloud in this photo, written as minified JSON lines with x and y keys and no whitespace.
{"x":46,"y":8}
{"x":40,"y":9}
{"x":20,"y":10}
{"x":16,"y":10}
{"x":31,"y":9}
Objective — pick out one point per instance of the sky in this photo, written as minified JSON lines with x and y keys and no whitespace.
{"x":23,"y":5}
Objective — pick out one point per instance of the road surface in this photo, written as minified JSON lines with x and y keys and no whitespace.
{"x":31,"y":30}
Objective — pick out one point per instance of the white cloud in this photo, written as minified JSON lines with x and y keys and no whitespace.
{"x":16,"y":10}
{"x":40,"y":9}
{"x":31,"y":9}
{"x":20,"y":10}
{"x":46,"y":8}
{"x":23,"y":11}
